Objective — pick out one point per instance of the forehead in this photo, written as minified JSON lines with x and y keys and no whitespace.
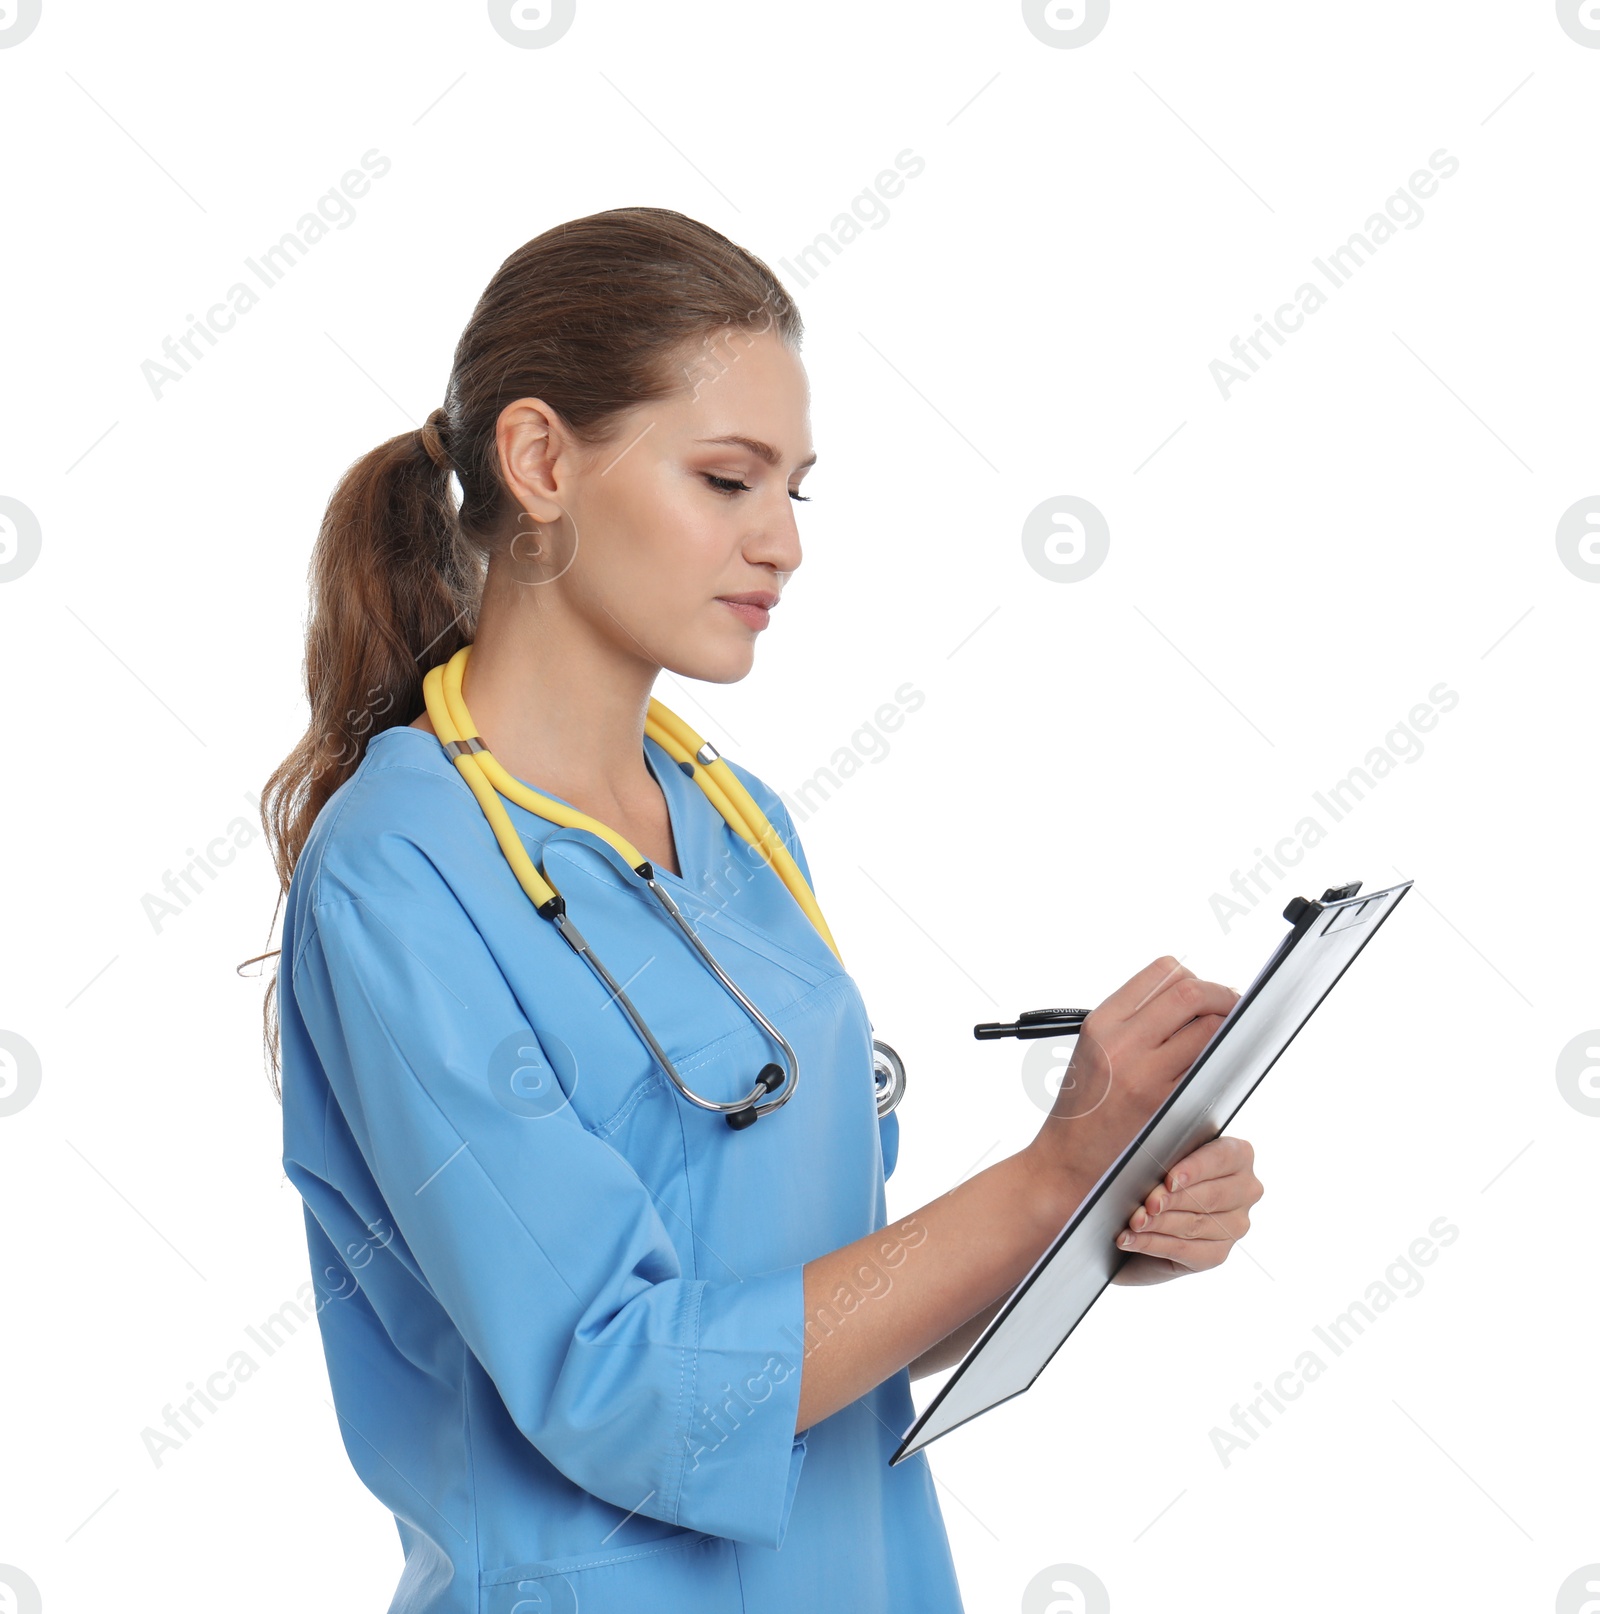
{"x":738,"y":384}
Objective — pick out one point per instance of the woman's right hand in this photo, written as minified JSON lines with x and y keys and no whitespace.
{"x":1130,"y":1053}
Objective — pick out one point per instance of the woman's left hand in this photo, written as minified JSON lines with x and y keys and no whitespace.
{"x":1196,"y":1215}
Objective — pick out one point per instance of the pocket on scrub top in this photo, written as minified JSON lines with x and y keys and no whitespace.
{"x":754,"y":939}
{"x":574,"y":853}
{"x":688,"y":1570}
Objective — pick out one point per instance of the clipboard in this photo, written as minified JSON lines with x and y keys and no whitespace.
{"x":1042,"y":1311}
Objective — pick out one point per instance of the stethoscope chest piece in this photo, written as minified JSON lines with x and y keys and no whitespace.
{"x":888,"y":1077}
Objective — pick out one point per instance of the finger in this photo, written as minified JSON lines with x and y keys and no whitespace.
{"x":1127,"y":998}
{"x":1230,"y":1224}
{"x":1221,"y":1157}
{"x":1215,"y":1197}
{"x":1198,"y":1255}
{"x":1186,"y":1044}
{"x":1236,"y":1190}
{"x":1178,"y":1002}
{"x":1216,"y":1208}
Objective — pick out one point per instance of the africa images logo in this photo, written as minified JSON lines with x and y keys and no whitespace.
{"x":17,"y":21}
{"x":1580,"y":19}
{"x":1065,"y":24}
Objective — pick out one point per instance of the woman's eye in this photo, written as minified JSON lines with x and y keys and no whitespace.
{"x":731,"y":485}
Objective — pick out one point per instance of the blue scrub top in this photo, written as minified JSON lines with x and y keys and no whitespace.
{"x":562,"y":1307}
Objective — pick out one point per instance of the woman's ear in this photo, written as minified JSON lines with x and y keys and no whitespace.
{"x":536,"y":452}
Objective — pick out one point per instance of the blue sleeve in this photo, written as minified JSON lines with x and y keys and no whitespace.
{"x":773,"y":805}
{"x":889,"y":1141}
{"x":538,"y":1239}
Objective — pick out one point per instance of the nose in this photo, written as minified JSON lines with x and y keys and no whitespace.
{"x":777,"y":543}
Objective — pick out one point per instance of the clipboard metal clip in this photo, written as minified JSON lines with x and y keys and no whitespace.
{"x":1305,"y":908}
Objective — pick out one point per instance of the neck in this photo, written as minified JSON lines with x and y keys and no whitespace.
{"x":560,"y":708}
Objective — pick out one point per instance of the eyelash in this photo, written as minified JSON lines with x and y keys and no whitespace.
{"x":727,"y":485}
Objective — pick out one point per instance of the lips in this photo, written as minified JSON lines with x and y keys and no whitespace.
{"x":751,"y":609}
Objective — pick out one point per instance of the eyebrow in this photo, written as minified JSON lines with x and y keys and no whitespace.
{"x":761,"y":450}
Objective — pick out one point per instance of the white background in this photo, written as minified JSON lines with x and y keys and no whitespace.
{"x":1291,"y":570}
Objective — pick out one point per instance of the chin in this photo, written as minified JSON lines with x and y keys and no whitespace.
{"x":726,"y":666}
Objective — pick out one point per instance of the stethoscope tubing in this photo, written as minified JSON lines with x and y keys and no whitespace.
{"x":614,"y":989}
{"x":449,"y":715}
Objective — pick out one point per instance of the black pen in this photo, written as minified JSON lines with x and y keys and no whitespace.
{"x":1036,"y":1023}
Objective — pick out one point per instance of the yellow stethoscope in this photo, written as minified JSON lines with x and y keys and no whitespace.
{"x":459,"y":736}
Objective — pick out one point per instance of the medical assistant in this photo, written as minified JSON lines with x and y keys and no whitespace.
{"x":562,"y":1307}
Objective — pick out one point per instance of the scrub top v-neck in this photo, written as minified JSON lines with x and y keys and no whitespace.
{"x":562,"y":1307}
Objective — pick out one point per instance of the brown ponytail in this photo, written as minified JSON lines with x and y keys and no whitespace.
{"x":593,"y":316}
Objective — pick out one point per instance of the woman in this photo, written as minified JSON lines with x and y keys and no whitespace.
{"x":595,"y":1347}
